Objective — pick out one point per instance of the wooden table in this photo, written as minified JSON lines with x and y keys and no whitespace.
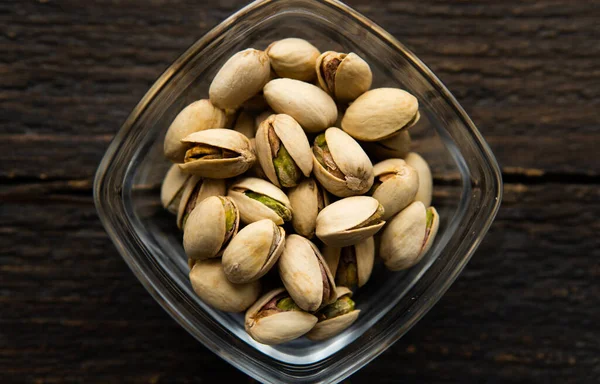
{"x":527,"y":307}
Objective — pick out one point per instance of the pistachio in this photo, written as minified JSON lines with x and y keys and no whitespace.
{"x":307,"y":200}
{"x":305,"y":274}
{"x":253,"y":251}
{"x":240,"y":78}
{"x":335,"y":317}
{"x":351,"y":266}
{"x":244,"y":124}
{"x":256,"y":170}
{"x":196,"y":190}
{"x":198,"y":116}
{"x":408,"y":236}
{"x":340,"y":164}
{"x":275,"y":318}
{"x":344,"y":76}
{"x":425,"y":179}
{"x":397,"y":146}
{"x":258,"y":199}
{"x":211,"y":285}
{"x":349,"y":221}
{"x":380,"y":113}
{"x":395,"y":185}
{"x":217,"y":154}
{"x":283,"y":150}
{"x":172,"y":188}
{"x":209,"y":227}
{"x":308,"y":104}
{"x":293,"y":58}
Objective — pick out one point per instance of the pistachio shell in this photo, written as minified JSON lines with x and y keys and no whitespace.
{"x":253,"y":251}
{"x":345,"y":76}
{"x":331,"y":255}
{"x":337,"y":223}
{"x":240,"y":78}
{"x":198,"y":116}
{"x":364,"y":253}
{"x":245,"y":124}
{"x":252,"y":210}
{"x":398,"y":188}
{"x":397,"y":146}
{"x":308,"y":104}
{"x":172,"y":188}
{"x":196,"y":190}
{"x":350,"y":159}
{"x":380,"y":113}
{"x":279,"y":327}
{"x":220,"y":168}
{"x":205,"y":233}
{"x":307,"y":199}
{"x":425,"y":179}
{"x":403,"y":242}
{"x":293,"y":139}
{"x":256,"y":170}
{"x":293,"y":58}
{"x":301,"y":268}
{"x":211,"y":285}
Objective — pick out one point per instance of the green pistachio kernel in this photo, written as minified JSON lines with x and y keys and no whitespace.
{"x":374,"y":219}
{"x":287,"y":304}
{"x":341,"y":307}
{"x":273,"y":204}
{"x":286,"y":168}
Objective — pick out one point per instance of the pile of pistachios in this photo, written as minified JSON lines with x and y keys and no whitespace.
{"x":273,"y":176}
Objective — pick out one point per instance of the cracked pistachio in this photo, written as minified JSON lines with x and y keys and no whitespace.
{"x":196,"y":190}
{"x":212,"y":286}
{"x":258,"y":199}
{"x":307,"y":199}
{"x":395,"y":185}
{"x":349,"y":221}
{"x":293,"y":58}
{"x":425,"y":190}
{"x":209,"y":227}
{"x":240,"y":78}
{"x":172,"y":188}
{"x":198,"y":116}
{"x":397,"y":146}
{"x":408,"y":236}
{"x":283,"y":150}
{"x":380,"y":113}
{"x":344,"y":76}
{"x":351,"y":266}
{"x":305,"y":274}
{"x":253,"y":251}
{"x":275,"y":319}
{"x":340,"y":164}
{"x":217,"y":154}
{"x":335,"y":317}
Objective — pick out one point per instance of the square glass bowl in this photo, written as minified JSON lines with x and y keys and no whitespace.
{"x":467,"y":192}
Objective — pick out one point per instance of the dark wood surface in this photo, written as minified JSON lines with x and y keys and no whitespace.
{"x":527,"y":307}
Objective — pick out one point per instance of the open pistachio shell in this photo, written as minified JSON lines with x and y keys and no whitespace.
{"x":258,"y":199}
{"x":425,"y":179}
{"x":198,"y":116}
{"x":218,"y":154}
{"x":283,"y":150}
{"x":196,"y":190}
{"x":275,"y":319}
{"x":395,"y":185}
{"x":397,"y":146}
{"x":408,"y":236}
{"x":344,"y":76}
{"x":308,"y":104}
{"x":335,"y":317}
{"x":307,"y":200}
{"x":211,"y":285}
{"x":293,"y":58}
{"x":305,"y":274}
{"x":340,"y":164}
{"x":380,"y":113}
{"x":244,"y":124}
{"x":209,"y":227}
{"x":172,"y":188}
{"x":253,"y":251}
{"x":349,"y":221}
{"x":351,"y":266}
{"x":240,"y":78}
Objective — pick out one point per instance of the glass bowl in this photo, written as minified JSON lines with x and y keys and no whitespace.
{"x":467,"y":192}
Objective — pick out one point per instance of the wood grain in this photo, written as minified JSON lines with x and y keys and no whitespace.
{"x":525,"y":309}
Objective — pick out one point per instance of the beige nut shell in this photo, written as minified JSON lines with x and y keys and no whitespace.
{"x":425,"y":191}
{"x":398,"y":191}
{"x":208,"y":187}
{"x":304,"y":200}
{"x":293,"y":58}
{"x":328,"y":328}
{"x":252,"y":210}
{"x":172,"y":187}
{"x":353,"y":76}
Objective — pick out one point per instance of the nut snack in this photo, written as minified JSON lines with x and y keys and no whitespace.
{"x":293,"y":174}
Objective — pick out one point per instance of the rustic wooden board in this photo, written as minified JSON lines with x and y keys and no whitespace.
{"x":524,"y":310}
